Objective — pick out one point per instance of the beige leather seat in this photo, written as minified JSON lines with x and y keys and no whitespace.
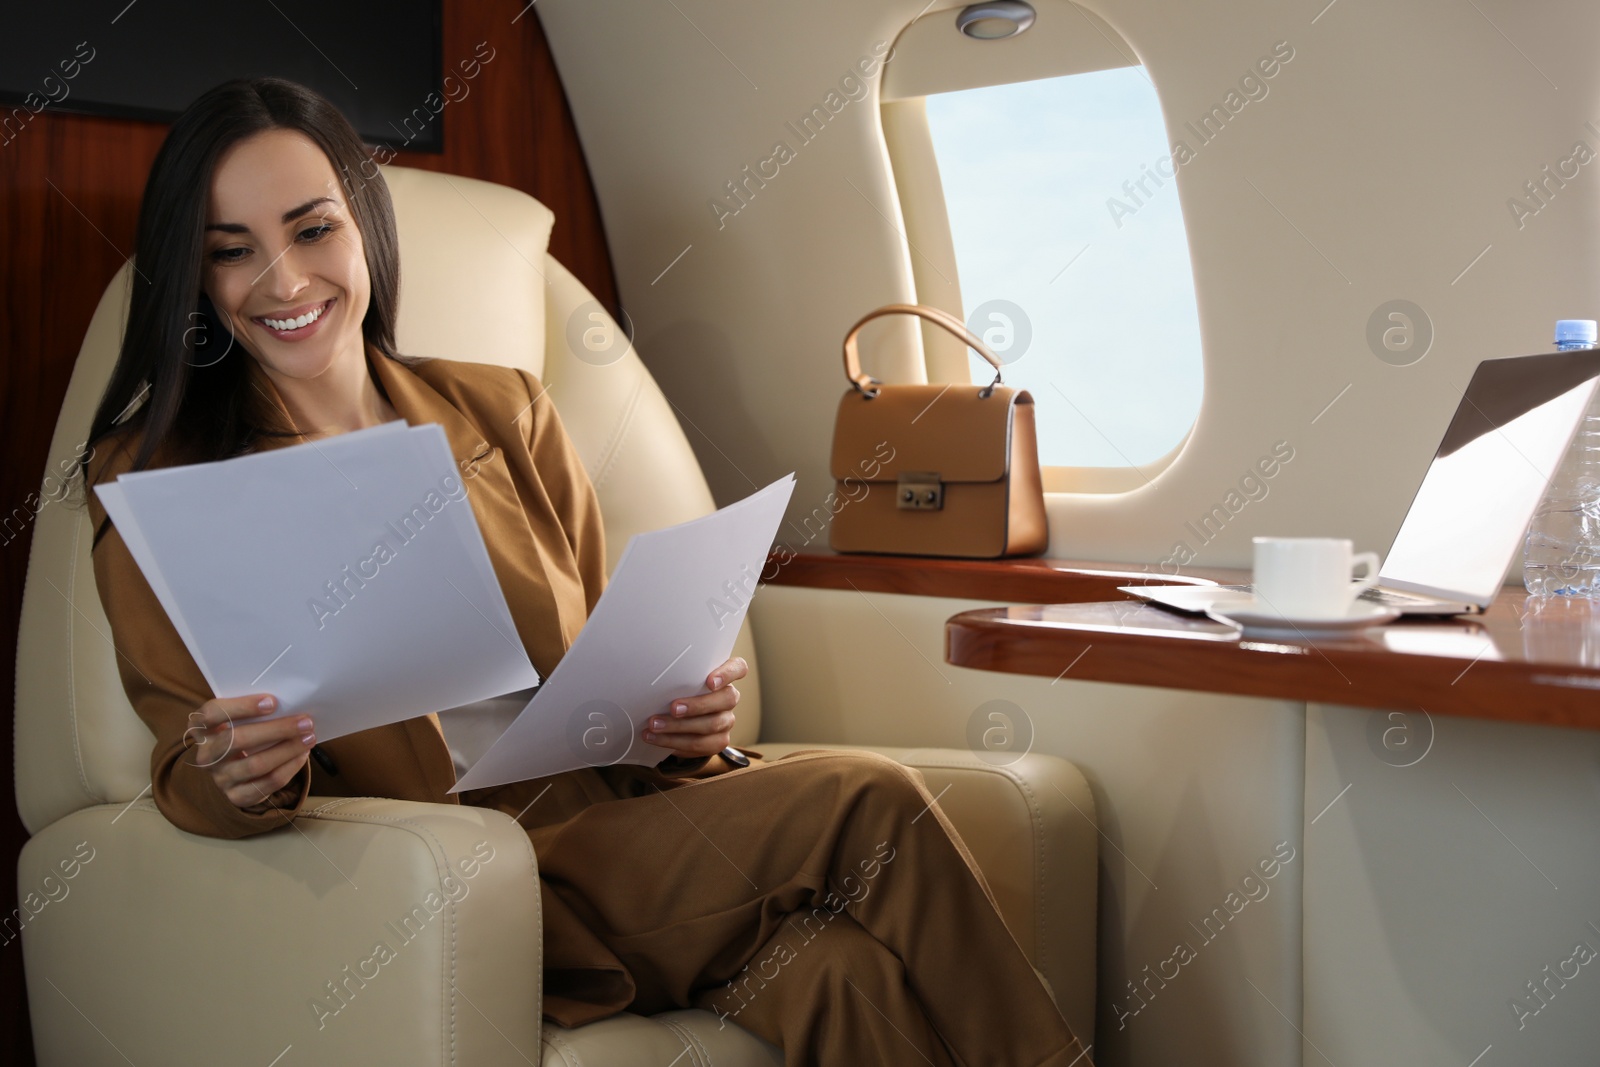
{"x":149,"y":945}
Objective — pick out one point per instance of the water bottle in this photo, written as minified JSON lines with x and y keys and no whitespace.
{"x":1563,"y":548}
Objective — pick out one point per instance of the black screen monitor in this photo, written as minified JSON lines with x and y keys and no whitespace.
{"x":379,"y":61}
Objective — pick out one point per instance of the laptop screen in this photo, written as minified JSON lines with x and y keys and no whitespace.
{"x":1508,"y":437}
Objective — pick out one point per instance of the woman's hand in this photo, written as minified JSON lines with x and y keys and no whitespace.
{"x":701,"y":725}
{"x":249,"y":760}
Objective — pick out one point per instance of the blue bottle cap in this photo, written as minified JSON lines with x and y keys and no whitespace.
{"x":1581,"y":330}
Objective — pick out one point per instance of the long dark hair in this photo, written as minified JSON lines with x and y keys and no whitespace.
{"x":175,"y":345}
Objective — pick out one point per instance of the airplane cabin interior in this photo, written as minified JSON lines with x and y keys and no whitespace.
{"x":1147,"y":455}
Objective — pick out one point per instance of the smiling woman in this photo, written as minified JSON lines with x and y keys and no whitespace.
{"x":277,"y":236}
{"x":245,"y":225}
{"x":293,"y":283}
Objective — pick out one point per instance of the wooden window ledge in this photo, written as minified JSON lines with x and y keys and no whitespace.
{"x":1006,"y":581}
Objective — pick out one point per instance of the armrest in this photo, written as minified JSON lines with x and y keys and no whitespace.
{"x":1031,"y":827}
{"x":367,"y":931}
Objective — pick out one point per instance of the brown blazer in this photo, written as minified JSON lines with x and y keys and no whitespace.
{"x":541,"y":523}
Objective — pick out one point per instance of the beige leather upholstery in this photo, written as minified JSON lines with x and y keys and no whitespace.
{"x":375,"y":930}
{"x":168,"y":948}
{"x":672,"y":1038}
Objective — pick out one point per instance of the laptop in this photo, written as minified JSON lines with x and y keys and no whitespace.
{"x":1468,"y":519}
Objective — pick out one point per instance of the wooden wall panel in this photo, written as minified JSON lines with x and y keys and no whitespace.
{"x":69,"y":198}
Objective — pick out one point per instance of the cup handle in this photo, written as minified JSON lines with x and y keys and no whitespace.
{"x":1368,"y":580}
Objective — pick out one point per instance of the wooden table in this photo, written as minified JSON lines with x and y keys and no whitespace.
{"x":1527,"y":659}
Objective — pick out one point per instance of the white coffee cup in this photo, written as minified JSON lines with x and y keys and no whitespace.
{"x":1309,"y":577}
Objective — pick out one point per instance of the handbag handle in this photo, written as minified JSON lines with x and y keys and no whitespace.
{"x":864,"y":383}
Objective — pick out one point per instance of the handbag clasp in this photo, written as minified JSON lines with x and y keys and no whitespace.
{"x":919,"y":491}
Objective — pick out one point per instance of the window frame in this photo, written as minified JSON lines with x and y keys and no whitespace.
{"x":914,"y":169}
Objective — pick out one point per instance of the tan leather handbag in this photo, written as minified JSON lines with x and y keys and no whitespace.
{"x":935,"y":470}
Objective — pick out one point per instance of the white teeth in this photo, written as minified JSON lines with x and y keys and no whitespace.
{"x":294,"y":324}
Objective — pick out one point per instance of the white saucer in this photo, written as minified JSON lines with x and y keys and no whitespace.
{"x":1251,"y":614}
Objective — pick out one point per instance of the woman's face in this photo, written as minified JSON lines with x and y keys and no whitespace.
{"x":283,"y":259}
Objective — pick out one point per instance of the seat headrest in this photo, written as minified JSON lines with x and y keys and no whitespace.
{"x":477,"y":250}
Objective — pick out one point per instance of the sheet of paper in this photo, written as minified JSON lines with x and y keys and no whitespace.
{"x":670,"y":614}
{"x":128,"y":529}
{"x":348,"y":576}
{"x":127,"y":524}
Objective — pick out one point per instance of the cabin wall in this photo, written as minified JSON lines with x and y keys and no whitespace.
{"x":1385,"y":165}
{"x":1452,"y":873}
{"x":1378,"y":169}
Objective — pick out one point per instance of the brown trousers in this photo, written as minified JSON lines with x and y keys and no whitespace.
{"x":822,"y":901}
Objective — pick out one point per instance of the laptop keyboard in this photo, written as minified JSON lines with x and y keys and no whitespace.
{"x":1376,"y":596}
{"x":1384,"y":596}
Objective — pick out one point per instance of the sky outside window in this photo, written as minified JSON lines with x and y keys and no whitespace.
{"x":1037,"y":175}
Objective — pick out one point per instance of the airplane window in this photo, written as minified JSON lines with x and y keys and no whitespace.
{"x":1073,"y":260}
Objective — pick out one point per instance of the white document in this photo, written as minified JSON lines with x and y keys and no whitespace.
{"x":348,"y":577}
{"x":669,"y":615}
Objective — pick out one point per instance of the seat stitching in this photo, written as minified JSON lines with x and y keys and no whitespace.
{"x":450,"y":965}
{"x":1040,"y":912}
{"x":697,"y":1050}
{"x":72,"y":673}
{"x":421,"y":830}
{"x":568,"y":1053}
{"x":1042,"y":895}
{"x":451,"y":977}
{"x":1036,"y":819}
{"x":612,"y":451}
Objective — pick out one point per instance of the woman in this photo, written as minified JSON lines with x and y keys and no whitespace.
{"x":262,"y":315}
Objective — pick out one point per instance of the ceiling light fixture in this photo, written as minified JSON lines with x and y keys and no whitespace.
{"x":995,"y":20}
